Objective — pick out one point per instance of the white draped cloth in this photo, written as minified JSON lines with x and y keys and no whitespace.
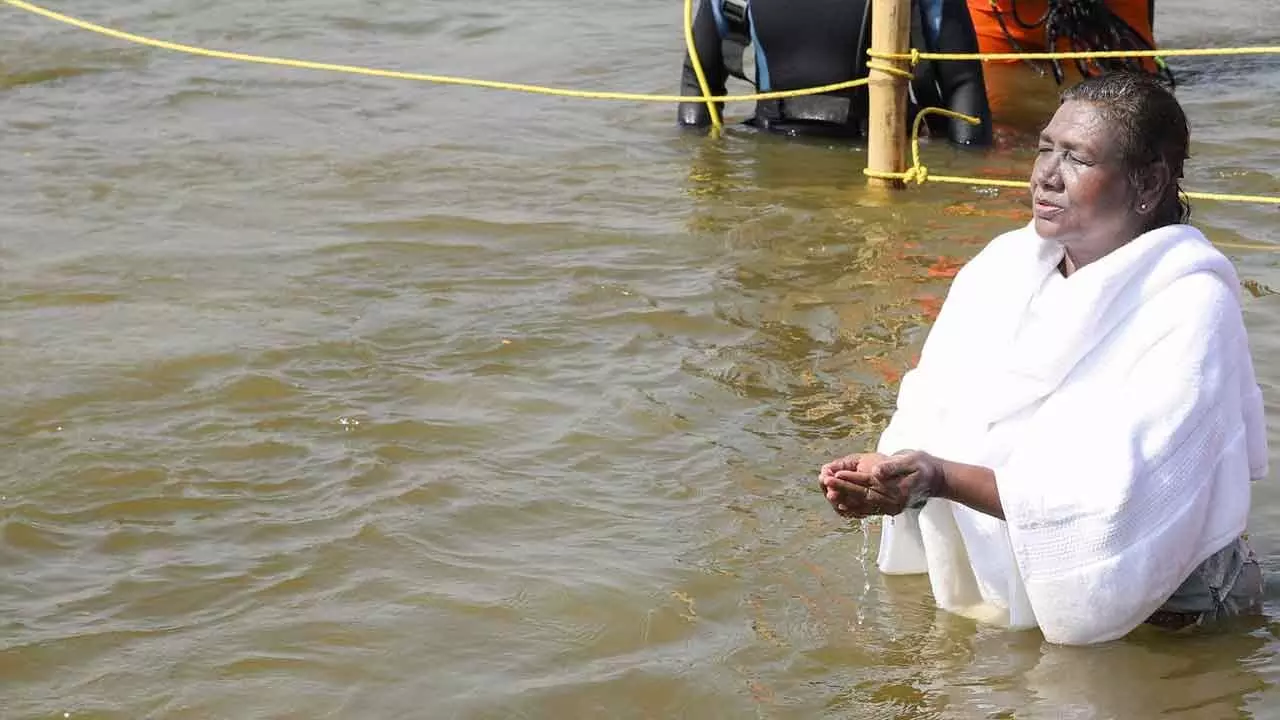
{"x":1119,"y":410}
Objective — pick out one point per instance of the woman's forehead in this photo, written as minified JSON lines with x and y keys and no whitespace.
{"x":1079,"y":122}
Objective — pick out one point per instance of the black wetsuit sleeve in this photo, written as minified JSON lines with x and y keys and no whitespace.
{"x":706,"y":38}
{"x":961,"y":80}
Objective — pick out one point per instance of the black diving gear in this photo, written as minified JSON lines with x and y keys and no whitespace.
{"x":808,"y":43}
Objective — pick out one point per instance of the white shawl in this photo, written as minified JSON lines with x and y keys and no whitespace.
{"x":1120,"y":413}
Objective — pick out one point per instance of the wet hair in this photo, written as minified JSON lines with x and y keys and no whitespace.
{"x":1151,"y":129}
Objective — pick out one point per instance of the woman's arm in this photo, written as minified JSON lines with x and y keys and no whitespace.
{"x":971,"y":485}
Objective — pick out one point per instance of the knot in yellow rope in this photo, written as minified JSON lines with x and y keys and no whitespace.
{"x":917,"y":173}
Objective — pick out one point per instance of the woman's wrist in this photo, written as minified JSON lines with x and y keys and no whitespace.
{"x":940,"y":485}
{"x":970,"y":485}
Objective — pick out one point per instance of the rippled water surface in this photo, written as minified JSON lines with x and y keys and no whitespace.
{"x":329,"y":396}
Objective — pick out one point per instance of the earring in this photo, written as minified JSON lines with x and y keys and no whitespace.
{"x":1143,"y":206}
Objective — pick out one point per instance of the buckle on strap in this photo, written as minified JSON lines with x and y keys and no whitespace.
{"x":737,"y":17}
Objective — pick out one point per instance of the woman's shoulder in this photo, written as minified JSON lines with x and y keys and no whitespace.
{"x":1201,"y":296}
{"x":1203,"y":279}
{"x":1202,"y":308}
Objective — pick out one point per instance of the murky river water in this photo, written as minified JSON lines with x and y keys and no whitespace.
{"x":336,"y":397}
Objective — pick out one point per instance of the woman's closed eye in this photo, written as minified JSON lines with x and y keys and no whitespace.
{"x":1066,"y":154}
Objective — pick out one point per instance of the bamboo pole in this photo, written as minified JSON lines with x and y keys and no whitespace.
{"x":887,"y":92}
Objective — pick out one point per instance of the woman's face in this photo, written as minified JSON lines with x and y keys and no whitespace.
{"x":1079,"y":188}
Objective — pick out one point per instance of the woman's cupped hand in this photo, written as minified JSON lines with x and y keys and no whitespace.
{"x":859,"y":486}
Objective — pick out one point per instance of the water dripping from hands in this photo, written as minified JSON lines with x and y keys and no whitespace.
{"x":863,"y":554}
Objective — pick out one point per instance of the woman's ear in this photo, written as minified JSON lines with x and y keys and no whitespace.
{"x":1153,"y":186}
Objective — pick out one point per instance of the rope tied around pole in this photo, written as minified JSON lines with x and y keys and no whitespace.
{"x":874,"y":65}
{"x":918,"y":172}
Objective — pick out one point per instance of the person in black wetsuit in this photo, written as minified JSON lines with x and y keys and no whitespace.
{"x":807,"y":43}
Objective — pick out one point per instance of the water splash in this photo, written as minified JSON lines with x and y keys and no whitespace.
{"x":865,"y":552}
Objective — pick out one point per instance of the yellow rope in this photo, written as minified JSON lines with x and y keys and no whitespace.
{"x":692,"y":47}
{"x":891,"y":69}
{"x":1224,"y":197}
{"x":915,"y":56}
{"x":423,"y":77}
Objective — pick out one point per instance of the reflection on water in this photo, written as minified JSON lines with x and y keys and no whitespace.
{"x":328,"y":397}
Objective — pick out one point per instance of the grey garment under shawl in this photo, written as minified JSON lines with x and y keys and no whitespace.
{"x":1229,"y":583}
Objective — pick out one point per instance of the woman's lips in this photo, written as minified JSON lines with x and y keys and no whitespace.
{"x":1046,"y":210}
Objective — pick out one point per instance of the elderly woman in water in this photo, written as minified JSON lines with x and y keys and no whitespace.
{"x":1075,"y":448}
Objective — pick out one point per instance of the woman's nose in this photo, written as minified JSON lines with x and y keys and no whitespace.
{"x":1045,"y":171}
